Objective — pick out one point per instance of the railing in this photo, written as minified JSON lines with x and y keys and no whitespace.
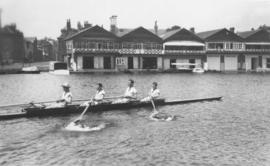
{"x":91,"y":50}
{"x":139,"y":51}
{"x":257,"y":50}
{"x":225,"y":50}
{"x":185,"y":51}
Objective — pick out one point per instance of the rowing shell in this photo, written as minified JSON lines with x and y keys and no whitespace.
{"x":106,"y":106}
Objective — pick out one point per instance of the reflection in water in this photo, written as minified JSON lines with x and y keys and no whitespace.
{"x":232,"y":132}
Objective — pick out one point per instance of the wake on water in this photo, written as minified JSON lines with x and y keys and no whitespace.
{"x":81,"y":128}
{"x":161,"y":117}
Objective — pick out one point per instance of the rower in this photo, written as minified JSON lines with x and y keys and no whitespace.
{"x":130,"y":93}
{"x":66,"y":96}
{"x":153,"y":94}
{"x":99,"y":96}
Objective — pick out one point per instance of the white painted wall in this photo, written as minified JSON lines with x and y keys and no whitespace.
{"x":166,"y":63}
{"x":79,"y":62}
{"x":135,"y":62}
{"x":101,"y":63}
{"x":213,"y":62}
{"x":96,"y":62}
{"x":264,"y":61}
{"x":198,"y":61}
{"x":159,"y":62}
{"x":230,"y":62}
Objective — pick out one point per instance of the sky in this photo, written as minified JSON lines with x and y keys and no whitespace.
{"x":46,"y":18}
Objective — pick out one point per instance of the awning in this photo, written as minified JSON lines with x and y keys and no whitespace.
{"x":257,"y":43}
{"x":183,"y":43}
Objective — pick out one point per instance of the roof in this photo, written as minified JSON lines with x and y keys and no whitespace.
{"x":95,"y":31}
{"x":68,"y":33}
{"x":181,"y":35}
{"x":140,"y":34}
{"x":220,"y":35}
{"x":260,"y":35}
{"x":168,"y":34}
{"x":206,"y":34}
{"x":122,"y":31}
{"x":246,"y":34}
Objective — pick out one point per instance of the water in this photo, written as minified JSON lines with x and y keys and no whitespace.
{"x":235,"y":131}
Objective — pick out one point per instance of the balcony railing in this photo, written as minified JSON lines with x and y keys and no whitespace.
{"x":95,"y":50}
{"x":185,"y":51}
{"x":257,"y":50}
{"x":140,"y":51}
{"x":225,"y":50}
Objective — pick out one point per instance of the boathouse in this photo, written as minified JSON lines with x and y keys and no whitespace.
{"x":182,"y":46}
{"x":140,"y":49}
{"x":223,"y":49}
{"x":92,"y":48}
{"x":257,"y":52}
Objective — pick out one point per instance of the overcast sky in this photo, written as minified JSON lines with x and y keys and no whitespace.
{"x":46,"y":17}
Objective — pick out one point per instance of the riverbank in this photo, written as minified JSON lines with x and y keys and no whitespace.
{"x":16,"y":68}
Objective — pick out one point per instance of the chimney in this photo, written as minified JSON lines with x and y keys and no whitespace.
{"x":192,"y":29}
{"x":87,"y":25}
{"x":68,"y":25}
{"x":232,"y":29}
{"x":156,"y":28}
{"x":0,"y":18}
{"x":113,"y":19}
{"x":79,"y":25}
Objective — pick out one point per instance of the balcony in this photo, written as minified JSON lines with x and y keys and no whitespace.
{"x":140,"y":51}
{"x":225,"y":50}
{"x":257,"y":50}
{"x":184,"y":51}
{"x":95,"y":50}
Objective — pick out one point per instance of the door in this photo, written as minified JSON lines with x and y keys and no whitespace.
{"x":150,"y":63}
{"x":130,"y":63}
{"x":107,"y":63}
{"x":254,"y":63}
{"x":88,"y":62}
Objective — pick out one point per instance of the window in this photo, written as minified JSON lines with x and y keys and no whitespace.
{"x":211,"y":45}
{"x":216,"y":45}
{"x":268,"y":62}
{"x":120,"y":61}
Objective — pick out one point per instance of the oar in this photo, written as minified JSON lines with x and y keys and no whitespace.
{"x":84,"y":111}
{"x":43,"y":102}
{"x":14,"y":105}
{"x":154,"y":107}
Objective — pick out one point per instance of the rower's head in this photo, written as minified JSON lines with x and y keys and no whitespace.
{"x":130,"y":82}
{"x":154,"y":85}
{"x":100,"y":86}
{"x":66,"y":87}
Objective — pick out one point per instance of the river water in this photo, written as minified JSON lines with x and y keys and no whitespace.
{"x":235,"y":131}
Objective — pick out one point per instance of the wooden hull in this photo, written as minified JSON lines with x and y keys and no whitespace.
{"x":70,"y":109}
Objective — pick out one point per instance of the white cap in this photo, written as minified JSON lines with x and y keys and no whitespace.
{"x":66,"y":85}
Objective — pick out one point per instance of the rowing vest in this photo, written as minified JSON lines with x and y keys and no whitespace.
{"x":67,"y":96}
